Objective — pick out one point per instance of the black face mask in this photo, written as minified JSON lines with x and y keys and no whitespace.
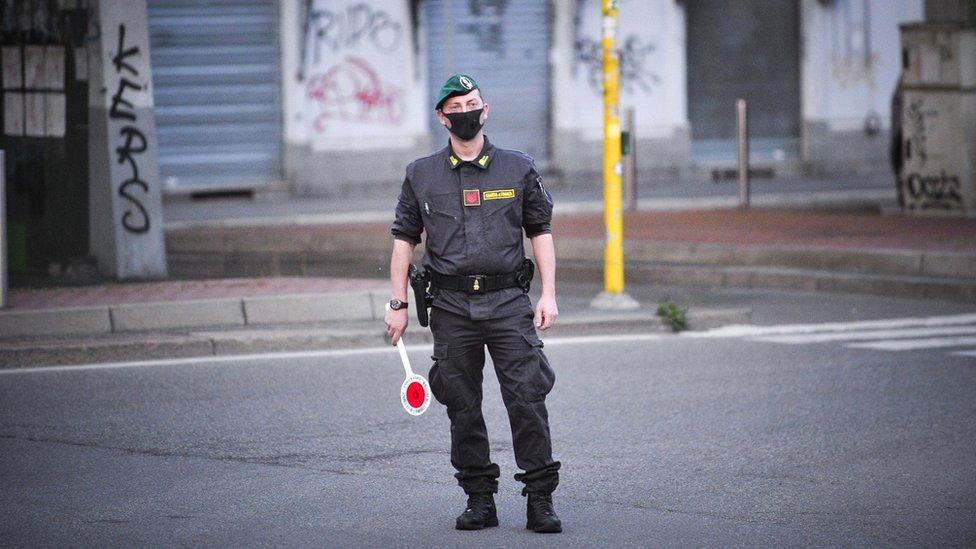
{"x":465,"y":125}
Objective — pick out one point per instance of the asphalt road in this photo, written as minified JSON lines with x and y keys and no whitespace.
{"x":666,"y":440}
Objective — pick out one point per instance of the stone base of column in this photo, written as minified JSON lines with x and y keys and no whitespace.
{"x":614,"y":301}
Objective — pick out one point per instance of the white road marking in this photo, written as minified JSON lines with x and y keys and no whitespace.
{"x":427,"y":348}
{"x":970,"y":352}
{"x":212,"y":359}
{"x":915,"y":344}
{"x":867,"y":334}
{"x":746,"y":330}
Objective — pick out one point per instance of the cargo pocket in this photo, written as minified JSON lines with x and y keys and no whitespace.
{"x":544,"y":377}
{"x":434,"y":377}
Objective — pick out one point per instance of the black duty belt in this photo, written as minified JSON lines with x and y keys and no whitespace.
{"x":474,"y":284}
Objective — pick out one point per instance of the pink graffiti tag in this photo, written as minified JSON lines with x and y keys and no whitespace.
{"x":351,"y":90}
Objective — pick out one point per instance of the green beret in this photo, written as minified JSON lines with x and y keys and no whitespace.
{"x":459,"y":84}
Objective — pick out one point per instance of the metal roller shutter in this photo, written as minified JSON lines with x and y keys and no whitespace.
{"x":505,"y":46}
{"x":217,"y":92}
{"x":747,"y":49}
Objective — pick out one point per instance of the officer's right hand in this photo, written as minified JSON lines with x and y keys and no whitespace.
{"x":396,"y":324}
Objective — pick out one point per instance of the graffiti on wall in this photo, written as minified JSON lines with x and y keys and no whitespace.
{"x":353,"y":57}
{"x":924,"y":186}
{"x":352,"y":90}
{"x":915,"y":136}
{"x":933,"y":192}
{"x":635,"y":72}
{"x":353,"y":27}
{"x":132,"y":143}
{"x":486,"y":27}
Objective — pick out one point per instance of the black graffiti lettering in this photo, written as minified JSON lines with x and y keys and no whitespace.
{"x":378,"y":26}
{"x":487,"y":7}
{"x":142,"y":215}
{"x":487,"y":26}
{"x":122,"y":54}
{"x":915,"y":136}
{"x":119,"y":100}
{"x":357,"y":24}
{"x":135,"y":219}
{"x":634,"y":74}
{"x":933,"y":191}
{"x":126,"y":151}
{"x":489,"y":36}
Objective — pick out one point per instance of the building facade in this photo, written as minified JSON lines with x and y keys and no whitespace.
{"x":332,"y":97}
{"x":818,"y":75}
{"x":356,"y":79}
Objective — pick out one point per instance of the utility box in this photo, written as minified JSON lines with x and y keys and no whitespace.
{"x":938,"y":119}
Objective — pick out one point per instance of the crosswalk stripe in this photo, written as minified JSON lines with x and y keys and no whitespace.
{"x":970,"y":352}
{"x":868,"y":334}
{"x":746,"y":330}
{"x":914,"y":344}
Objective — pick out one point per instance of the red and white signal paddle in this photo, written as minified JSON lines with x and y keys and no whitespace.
{"x":415,"y":392}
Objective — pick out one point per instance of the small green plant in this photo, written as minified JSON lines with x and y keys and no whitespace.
{"x":672,"y":314}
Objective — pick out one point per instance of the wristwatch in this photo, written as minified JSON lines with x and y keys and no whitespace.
{"x":396,"y":304}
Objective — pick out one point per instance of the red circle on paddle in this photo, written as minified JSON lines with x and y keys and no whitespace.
{"x":415,"y":394}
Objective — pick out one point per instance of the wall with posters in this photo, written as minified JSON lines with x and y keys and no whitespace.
{"x":354,"y":94}
{"x":651,"y":37}
{"x":849,"y":69}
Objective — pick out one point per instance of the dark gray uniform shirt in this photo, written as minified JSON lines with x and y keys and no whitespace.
{"x":474,"y":213}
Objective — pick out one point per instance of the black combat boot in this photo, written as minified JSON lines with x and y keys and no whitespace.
{"x":541,"y":517}
{"x":479,"y":513}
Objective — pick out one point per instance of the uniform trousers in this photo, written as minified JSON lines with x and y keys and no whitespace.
{"x":525,"y":378}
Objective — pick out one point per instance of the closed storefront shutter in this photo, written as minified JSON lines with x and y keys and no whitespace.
{"x":505,"y":46}
{"x":217,"y":92}
{"x":744,"y":49}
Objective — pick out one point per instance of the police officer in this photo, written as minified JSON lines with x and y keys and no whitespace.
{"x":474,"y":200}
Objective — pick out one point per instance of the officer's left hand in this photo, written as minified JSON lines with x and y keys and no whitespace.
{"x":546,"y":312}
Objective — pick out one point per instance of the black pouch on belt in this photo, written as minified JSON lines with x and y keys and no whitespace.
{"x":420,"y":282}
{"x":525,"y":274}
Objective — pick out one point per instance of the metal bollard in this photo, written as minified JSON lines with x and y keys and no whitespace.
{"x":741,"y":115}
{"x":4,"y":264}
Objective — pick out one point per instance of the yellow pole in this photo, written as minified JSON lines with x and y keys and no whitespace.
{"x":613,"y":254}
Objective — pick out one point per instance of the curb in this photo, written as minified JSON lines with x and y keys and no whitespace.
{"x":849,"y":260}
{"x":302,"y":337}
{"x":902,"y":273}
{"x":835,"y":198}
{"x":774,"y":278}
{"x":190,"y":314}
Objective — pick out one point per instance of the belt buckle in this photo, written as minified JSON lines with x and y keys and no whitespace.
{"x":476,"y":283}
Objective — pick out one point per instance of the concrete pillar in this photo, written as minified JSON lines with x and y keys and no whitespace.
{"x":126,"y":216}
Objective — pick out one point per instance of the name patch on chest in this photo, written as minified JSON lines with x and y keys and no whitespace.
{"x":499,"y":194}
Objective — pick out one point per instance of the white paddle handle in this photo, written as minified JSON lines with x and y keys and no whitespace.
{"x":403,"y":352}
{"x":404,"y":358}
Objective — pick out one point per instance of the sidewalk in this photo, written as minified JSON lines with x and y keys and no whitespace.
{"x":843,"y":248}
{"x":319,"y":280}
{"x":140,"y":321}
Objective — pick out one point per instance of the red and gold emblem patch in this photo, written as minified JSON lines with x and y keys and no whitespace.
{"x":472,"y":197}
